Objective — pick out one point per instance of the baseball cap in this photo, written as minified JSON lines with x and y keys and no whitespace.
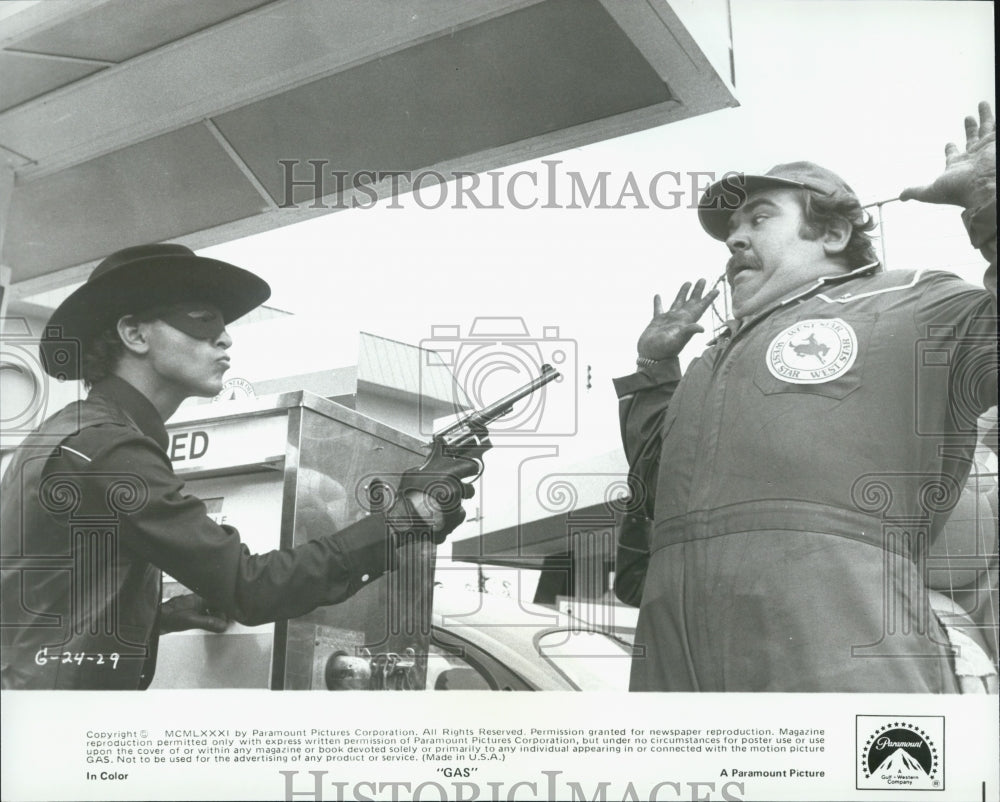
{"x":727,"y":195}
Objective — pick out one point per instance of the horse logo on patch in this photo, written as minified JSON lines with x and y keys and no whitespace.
{"x":813,"y":351}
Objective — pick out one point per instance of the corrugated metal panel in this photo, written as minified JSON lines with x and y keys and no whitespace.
{"x":261,"y":313}
{"x":408,"y":369}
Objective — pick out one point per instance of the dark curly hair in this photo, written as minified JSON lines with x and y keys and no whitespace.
{"x":820,"y":210}
{"x":101,"y":355}
{"x":102,"y":352}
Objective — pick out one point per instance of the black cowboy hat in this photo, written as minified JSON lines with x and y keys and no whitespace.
{"x":134,"y":280}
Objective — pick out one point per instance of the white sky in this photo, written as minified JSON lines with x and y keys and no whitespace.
{"x":872,"y":90}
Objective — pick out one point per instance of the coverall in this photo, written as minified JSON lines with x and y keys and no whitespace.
{"x":786,"y":488}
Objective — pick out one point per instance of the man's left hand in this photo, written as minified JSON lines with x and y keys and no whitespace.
{"x":189,"y":612}
{"x":969,"y":177}
{"x":668,"y":332}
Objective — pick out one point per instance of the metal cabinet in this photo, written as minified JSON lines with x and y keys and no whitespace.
{"x":283,"y":470}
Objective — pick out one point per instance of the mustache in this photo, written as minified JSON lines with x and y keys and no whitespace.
{"x":741,"y":261}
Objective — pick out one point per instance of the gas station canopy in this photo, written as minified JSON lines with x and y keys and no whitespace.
{"x":131,"y":121}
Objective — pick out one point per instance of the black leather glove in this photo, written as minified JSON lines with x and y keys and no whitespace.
{"x":189,"y":611}
{"x":428,"y":499}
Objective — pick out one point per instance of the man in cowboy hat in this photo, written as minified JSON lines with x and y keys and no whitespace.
{"x":150,"y":324}
{"x":843,"y":397}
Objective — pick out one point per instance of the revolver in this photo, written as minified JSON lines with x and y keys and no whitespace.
{"x":468,"y":437}
{"x":457,"y":450}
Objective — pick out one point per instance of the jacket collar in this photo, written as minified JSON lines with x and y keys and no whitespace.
{"x":732,"y":326}
{"x":136,"y":407}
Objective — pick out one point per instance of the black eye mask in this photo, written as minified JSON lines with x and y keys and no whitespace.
{"x":201,"y":321}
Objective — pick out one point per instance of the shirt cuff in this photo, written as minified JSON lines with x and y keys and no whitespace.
{"x":666,"y":372}
{"x":981,"y":223}
{"x":368,"y":548}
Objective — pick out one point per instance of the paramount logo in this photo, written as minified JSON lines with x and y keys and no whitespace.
{"x":900,"y":752}
{"x":899,"y":763}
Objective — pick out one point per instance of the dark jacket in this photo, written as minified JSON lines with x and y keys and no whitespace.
{"x":92,"y":512}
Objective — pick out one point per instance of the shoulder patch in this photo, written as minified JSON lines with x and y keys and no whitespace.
{"x":813,"y":351}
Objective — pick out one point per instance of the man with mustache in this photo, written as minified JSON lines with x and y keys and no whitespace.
{"x":758,"y":548}
{"x":150,"y":322}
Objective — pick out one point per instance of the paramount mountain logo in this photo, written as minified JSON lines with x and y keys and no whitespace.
{"x":899,"y":752}
{"x":900,"y":763}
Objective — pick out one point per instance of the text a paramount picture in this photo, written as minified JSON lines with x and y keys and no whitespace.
{"x":626,"y":368}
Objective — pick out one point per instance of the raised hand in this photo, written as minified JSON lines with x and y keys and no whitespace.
{"x":969,"y":177}
{"x":668,"y":332}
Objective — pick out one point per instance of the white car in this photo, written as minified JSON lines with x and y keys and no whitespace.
{"x":484,"y":642}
